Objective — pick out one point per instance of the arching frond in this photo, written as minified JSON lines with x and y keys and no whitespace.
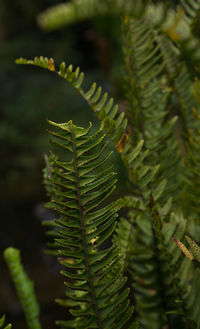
{"x":78,"y":10}
{"x":114,"y":123}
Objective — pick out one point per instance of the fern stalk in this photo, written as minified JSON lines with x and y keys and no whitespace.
{"x":81,"y":214}
{"x":24,"y":287}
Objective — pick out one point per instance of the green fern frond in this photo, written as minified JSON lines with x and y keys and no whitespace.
{"x":122,"y":236}
{"x":156,"y":291}
{"x":143,"y":72}
{"x":156,"y":15}
{"x":168,"y":21}
{"x":174,"y":40}
{"x":114,"y":123}
{"x":191,"y":9}
{"x":94,"y":276}
{"x":192,"y":180}
{"x":78,"y":10}
{"x":146,"y":249}
{"x":193,"y":298}
{"x":148,"y":96}
{"x":179,"y":76}
{"x":2,"y":320}
{"x":142,"y":177}
{"x":24,"y":287}
{"x":192,"y":158}
{"x":66,"y":13}
{"x":183,"y":83}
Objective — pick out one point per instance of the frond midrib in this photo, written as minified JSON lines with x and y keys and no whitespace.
{"x":83,"y":234}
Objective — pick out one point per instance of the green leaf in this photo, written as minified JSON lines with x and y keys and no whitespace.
{"x":159,"y":190}
{"x":2,"y":320}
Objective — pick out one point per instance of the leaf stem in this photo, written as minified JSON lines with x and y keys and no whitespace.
{"x":83,"y":233}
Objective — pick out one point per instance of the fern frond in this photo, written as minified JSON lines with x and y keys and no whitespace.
{"x":168,"y":21}
{"x":78,"y":10}
{"x":159,"y":16}
{"x":24,"y":287}
{"x":2,"y":320}
{"x":70,"y":12}
{"x":184,"y":83}
{"x":174,"y":39}
{"x":193,"y":297}
{"x":114,"y":123}
{"x":192,"y":178}
{"x":148,"y":96}
{"x":191,"y":9}
{"x":94,"y":276}
{"x":175,"y":55}
{"x":156,"y":290}
{"x":122,"y":236}
{"x":143,"y":72}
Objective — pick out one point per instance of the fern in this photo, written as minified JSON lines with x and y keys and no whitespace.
{"x":103,"y":106}
{"x":141,"y":251}
{"x":113,"y":123}
{"x":147,"y":87}
{"x":192,"y":178}
{"x":2,"y":320}
{"x":24,"y":287}
{"x":146,"y":225}
{"x":157,"y":139}
{"x":191,"y":9}
{"x":143,"y":185}
{"x":94,"y":276}
{"x":77,"y":10}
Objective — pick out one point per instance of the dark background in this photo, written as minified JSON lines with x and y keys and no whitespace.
{"x":29,"y":95}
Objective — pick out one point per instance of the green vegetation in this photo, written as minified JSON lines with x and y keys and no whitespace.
{"x":2,"y":320}
{"x":129,"y":272}
{"x":24,"y":287}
